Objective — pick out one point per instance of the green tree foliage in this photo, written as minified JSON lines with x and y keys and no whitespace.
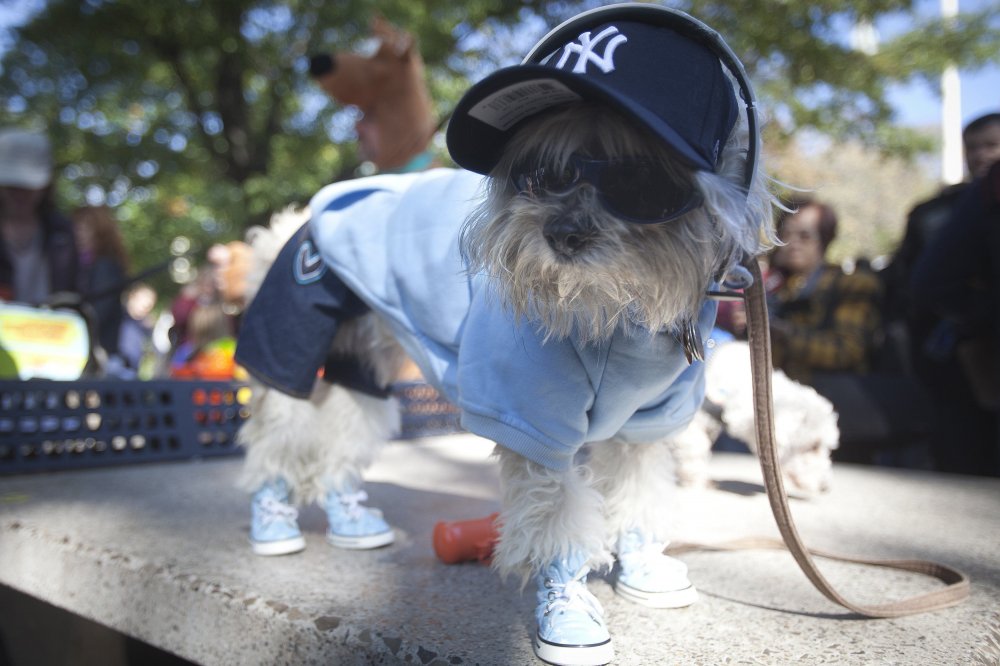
{"x":197,"y":118}
{"x":870,"y":191}
{"x":810,"y":76}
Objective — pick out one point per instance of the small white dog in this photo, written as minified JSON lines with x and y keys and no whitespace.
{"x":560,"y":302}
{"x":805,"y":423}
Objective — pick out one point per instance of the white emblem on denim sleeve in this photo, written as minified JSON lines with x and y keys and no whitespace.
{"x":309,"y":265}
{"x":585,"y":51}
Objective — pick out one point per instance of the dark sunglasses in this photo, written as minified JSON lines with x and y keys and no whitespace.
{"x":635,"y":190}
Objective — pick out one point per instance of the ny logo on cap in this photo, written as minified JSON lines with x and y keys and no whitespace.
{"x":585,"y":50}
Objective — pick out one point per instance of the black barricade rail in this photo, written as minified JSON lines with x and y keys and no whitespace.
{"x":55,"y":425}
{"x":425,"y":412}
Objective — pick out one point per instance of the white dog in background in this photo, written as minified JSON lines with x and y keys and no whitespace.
{"x":805,"y":423}
{"x":559,"y":302}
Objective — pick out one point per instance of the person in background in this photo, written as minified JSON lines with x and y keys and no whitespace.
{"x":954,"y":282}
{"x":103,"y":270}
{"x":200,"y":292}
{"x":910,"y":327}
{"x":207,"y":352}
{"x":38,"y":255}
{"x":822,"y":319}
{"x":824,"y":330}
{"x":135,"y":340}
{"x":925,"y":340}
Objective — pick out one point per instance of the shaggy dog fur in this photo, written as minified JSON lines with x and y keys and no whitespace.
{"x":805,"y":424}
{"x":286,"y":437}
{"x":650,"y":277}
{"x":641,"y":277}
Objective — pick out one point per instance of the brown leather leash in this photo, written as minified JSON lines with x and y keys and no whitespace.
{"x":956,"y":582}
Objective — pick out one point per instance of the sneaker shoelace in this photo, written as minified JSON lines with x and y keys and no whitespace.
{"x":573,"y":594}
{"x":273,"y":510}
{"x":351,"y":502}
{"x":649,"y":558}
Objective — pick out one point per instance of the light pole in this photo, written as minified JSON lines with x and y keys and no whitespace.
{"x":952,"y":163}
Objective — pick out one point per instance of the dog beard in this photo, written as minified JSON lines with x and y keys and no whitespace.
{"x":642,"y":276}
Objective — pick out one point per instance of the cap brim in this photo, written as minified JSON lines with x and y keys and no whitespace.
{"x":489,"y":113}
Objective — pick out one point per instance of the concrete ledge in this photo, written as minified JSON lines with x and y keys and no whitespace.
{"x":159,"y":552}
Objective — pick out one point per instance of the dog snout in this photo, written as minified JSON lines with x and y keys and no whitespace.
{"x":567,"y":236}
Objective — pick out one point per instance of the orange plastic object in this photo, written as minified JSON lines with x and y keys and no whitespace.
{"x":466,"y":540}
{"x":214,"y":361}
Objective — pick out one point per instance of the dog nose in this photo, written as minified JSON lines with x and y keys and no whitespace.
{"x":565,"y":236}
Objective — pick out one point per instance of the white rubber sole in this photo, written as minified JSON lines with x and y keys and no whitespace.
{"x":573,"y":655}
{"x":283,"y":547}
{"x":671,"y":599}
{"x":361,"y":542}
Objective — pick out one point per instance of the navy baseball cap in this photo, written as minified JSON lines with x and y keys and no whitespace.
{"x":671,"y":84}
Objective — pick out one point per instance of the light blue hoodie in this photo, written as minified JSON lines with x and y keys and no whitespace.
{"x":393,"y":239}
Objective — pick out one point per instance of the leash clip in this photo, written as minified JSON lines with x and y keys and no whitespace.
{"x":694,"y":349}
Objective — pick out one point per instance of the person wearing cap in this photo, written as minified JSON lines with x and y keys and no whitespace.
{"x":38,"y":254}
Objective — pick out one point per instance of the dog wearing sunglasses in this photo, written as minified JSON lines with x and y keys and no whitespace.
{"x":556,"y":292}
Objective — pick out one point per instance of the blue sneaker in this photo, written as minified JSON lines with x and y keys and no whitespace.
{"x":571,"y":629}
{"x":646,"y":576}
{"x":273,"y":526}
{"x":352,"y":525}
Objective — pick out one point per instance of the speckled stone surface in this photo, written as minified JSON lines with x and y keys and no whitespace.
{"x":160,"y":552}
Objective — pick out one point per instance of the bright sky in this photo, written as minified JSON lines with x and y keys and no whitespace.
{"x":917,"y":103}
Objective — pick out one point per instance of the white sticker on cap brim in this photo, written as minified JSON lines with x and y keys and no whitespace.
{"x":505,"y":108}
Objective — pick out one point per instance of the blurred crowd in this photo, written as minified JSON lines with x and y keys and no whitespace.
{"x":78,"y":261}
{"x":907,"y":354}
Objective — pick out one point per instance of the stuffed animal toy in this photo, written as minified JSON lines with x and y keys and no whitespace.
{"x":390,"y":91}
